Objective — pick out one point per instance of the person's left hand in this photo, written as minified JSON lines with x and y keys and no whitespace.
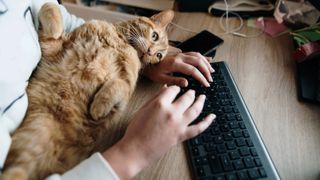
{"x":191,"y":63}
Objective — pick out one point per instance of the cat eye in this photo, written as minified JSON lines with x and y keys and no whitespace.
{"x":159,"y":55}
{"x":155,"y":36}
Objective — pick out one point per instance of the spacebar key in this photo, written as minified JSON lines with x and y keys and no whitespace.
{"x":215,"y":164}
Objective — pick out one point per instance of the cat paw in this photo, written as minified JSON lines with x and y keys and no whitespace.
{"x":14,"y":174}
{"x":51,"y":21}
{"x":99,"y":111}
{"x":103,"y":110}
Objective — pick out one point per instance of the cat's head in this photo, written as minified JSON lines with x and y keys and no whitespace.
{"x":149,"y":37}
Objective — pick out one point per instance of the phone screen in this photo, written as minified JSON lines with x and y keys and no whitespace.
{"x":203,"y":42}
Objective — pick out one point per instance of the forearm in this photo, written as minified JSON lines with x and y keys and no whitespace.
{"x":126,"y":159}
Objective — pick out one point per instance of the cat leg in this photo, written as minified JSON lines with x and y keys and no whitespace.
{"x":30,"y":155}
{"x":112,"y":96}
{"x":51,"y":21}
{"x":14,"y":174}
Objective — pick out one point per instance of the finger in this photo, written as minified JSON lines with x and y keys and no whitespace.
{"x":203,"y":58}
{"x":208,"y":61}
{"x":171,"y":80}
{"x":167,"y":95}
{"x":198,"y":128}
{"x":155,"y":97}
{"x":185,"y":101}
{"x":194,"y":110}
{"x":192,"y":71}
{"x":200,"y":64}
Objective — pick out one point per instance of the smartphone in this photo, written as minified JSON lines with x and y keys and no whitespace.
{"x":204,"y":42}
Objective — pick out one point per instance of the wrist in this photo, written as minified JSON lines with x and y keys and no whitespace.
{"x":125,"y":159}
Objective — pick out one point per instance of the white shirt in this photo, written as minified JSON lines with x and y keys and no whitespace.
{"x":19,"y":54}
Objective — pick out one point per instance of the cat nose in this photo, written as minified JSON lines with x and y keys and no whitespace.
{"x":149,"y":51}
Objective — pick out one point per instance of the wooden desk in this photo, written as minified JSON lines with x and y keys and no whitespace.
{"x":265,"y":74}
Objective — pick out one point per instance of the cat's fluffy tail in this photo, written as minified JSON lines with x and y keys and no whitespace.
{"x":51,"y":21}
{"x":15,"y":173}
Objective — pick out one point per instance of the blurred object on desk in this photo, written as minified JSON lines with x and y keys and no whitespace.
{"x":296,"y":15}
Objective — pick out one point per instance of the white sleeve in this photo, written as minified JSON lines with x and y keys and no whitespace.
{"x":70,"y":21}
{"x":95,"y":167}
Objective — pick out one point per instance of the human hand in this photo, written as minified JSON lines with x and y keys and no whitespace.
{"x":159,"y":125}
{"x":191,"y":63}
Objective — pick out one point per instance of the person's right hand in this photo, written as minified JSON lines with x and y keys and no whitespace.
{"x":159,"y":125}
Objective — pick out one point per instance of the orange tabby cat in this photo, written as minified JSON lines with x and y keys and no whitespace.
{"x":84,"y":80}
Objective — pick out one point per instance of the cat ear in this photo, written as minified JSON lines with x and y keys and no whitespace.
{"x":163,"y":18}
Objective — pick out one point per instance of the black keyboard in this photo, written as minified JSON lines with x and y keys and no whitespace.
{"x":231,"y":148}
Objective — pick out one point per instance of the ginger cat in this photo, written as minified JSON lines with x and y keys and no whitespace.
{"x":84,"y":80}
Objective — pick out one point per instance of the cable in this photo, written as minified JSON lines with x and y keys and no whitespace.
{"x":236,"y":29}
{"x":225,"y":27}
{"x":185,"y":29}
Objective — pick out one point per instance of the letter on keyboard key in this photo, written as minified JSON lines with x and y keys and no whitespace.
{"x":248,"y":161}
{"x":238,"y":164}
{"x":226,"y":163}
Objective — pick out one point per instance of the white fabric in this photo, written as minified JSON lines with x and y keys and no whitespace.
{"x":19,"y":55}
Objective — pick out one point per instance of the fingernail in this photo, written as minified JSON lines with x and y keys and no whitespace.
{"x":211,"y":70}
{"x":210,"y":79}
{"x":202,"y":96}
{"x":212,"y":116}
{"x":192,"y":91}
{"x":207,"y":84}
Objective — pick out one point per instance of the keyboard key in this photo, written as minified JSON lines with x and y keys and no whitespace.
{"x":231,"y":145}
{"x":224,"y":128}
{"x":196,"y":141}
{"x":215,"y":130}
{"x":200,"y":171}
{"x":231,"y":177}
{"x":248,"y":162}
{"x":210,"y":147}
{"x":195,"y":151}
{"x":237,"y":133}
{"x":234,"y":155}
{"x":233,"y":125}
{"x":249,"y":142}
{"x":242,"y":175}
{"x":238,"y":117}
{"x":218,"y":139}
{"x":258,"y":162}
{"x":219,"y":177}
{"x":226,"y":163}
{"x":227,"y":109}
{"x":240,"y":142}
{"x":245,"y":133}
{"x":227,"y":136}
{"x":244,"y":151}
{"x":253,"y":174}
{"x":253,"y":152}
{"x":231,"y":117}
{"x":215,"y":164}
{"x":262,"y":172}
{"x":221,"y":149}
{"x":242,"y":126}
{"x":238,"y":164}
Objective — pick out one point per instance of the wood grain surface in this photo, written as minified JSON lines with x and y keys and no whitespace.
{"x":265,"y":74}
